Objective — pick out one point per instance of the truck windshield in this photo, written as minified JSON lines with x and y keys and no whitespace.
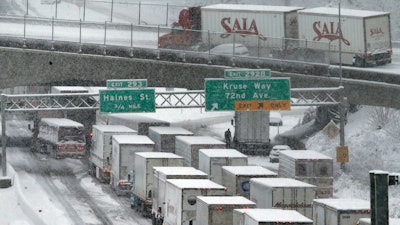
{"x":71,"y":134}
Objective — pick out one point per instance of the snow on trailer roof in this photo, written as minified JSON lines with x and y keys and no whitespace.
{"x":343,"y":12}
{"x":305,"y":154}
{"x":179,"y":170}
{"x":248,"y":170}
{"x":132,"y":117}
{"x":281,"y":182}
{"x":207,"y":140}
{"x":132,"y":139}
{"x":71,"y":89}
{"x":345,"y":203}
{"x":276,"y":215}
{"x":195,"y":184}
{"x":113,"y":128}
{"x":156,"y":155}
{"x":226,"y":200}
{"x":252,"y":8}
{"x":223,"y":153}
{"x":170,"y":130}
{"x":61,"y":122}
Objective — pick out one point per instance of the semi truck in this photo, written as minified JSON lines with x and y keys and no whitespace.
{"x":362,"y":38}
{"x":247,"y":24}
{"x":189,"y":146}
{"x":283,"y":193}
{"x":161,"y":175}
{"x":181,"y":198}
{"x":308,"y":166}
{"x":237,"y":178}
{"x":101,"y":149}
{"x":343,"y":211}
{"x":212,"y":160}
{"x":164,"y":137}
{"x":218,"y":210}
{"x":142,"y":192}
{"x":60,"y":137}
{"x":124,"y":148}
{"x":259,"y":216}
{"x":252,"y":132}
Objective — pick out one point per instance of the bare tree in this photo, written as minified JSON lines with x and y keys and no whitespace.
{"x":379,"y":117}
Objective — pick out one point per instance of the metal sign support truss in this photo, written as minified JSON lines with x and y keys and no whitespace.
{"x":167,"y":99}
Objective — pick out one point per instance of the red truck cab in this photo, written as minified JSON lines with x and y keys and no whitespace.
{"x":183,"y":31}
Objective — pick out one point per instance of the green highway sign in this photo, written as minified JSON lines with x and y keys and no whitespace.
{"x":222,"y":94}
{"x":129,"y":83}
{"x":127,"y":100}
{"x":247,"y":73}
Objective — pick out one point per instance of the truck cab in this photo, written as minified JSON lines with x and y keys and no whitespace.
{"x":184,"y":32}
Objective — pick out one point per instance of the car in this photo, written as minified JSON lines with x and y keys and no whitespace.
{"x":274,"y":154}
{"x":229,"y":49}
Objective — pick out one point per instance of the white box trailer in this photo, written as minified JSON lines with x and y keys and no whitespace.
{"x":365,"y":35}
{"x":181,"y":198}
{"x":101,"y":147}
{"x":260,"y":23}
{"x":269,"y":217}
{"x":68,"y":89}
{"x":237,"y":178}
{"x":143,"y":176}
{"x":218,"y":210}
{"x":309,"y":166}
{"x":124,"y":148}
{"x":340,"y":211}
{"x":139,"y":123}
{"x":212,"y":160}
{"x":189,"y":146}
{"x":60,"y":137}
{"x":164,"y":137}
{"x":283,"y":193}
{"x":161,"y":175}
{"x":252,"y":132}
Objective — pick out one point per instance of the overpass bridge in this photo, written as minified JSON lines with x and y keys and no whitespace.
{"x":21,"y":66}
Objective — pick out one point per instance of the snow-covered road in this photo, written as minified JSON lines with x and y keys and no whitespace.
{"x":62,"y":192}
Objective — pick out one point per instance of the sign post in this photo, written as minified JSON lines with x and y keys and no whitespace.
{"x":127,"y":100}
{"x":247,"y":94}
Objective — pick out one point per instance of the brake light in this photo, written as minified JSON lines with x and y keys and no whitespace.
{"x":61,"y":147}
{"x":121,"y":183}
{"x":91,"y":134}
{"x":81,"y":148}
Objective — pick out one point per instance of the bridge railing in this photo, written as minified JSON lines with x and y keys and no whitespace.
{"x":128,"y":40}
{"x":111,"y":11}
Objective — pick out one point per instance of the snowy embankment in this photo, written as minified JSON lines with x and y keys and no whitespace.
{"x":370,"y":148}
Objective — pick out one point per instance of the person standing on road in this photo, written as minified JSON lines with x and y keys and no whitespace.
{"x":228,"y":138}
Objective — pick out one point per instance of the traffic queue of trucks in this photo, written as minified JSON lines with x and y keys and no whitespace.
{"x":362,"y":37}
{"x":199,"y":181}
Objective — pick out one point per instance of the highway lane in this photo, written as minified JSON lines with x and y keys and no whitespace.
{"x":81,"y":198}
